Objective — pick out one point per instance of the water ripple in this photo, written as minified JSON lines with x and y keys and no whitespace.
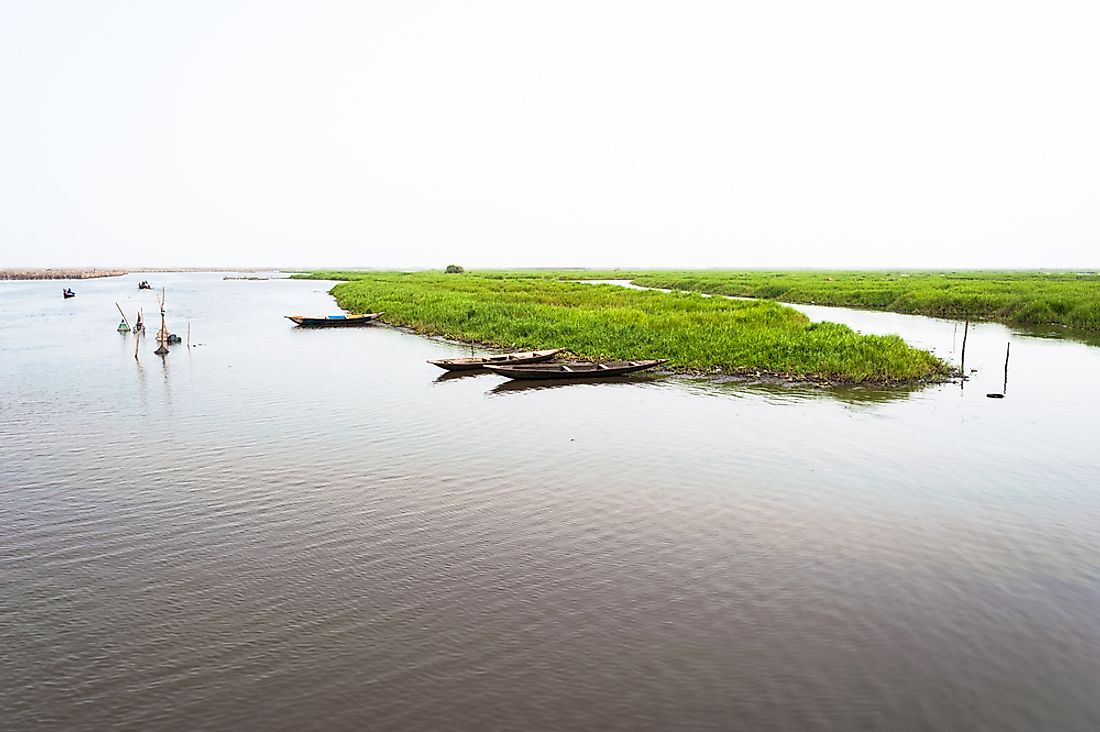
{"x":307,"y":530}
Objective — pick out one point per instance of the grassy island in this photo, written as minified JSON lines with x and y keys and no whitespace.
{"x":695,"y":333}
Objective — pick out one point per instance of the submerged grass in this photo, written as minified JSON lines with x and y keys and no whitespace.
{"x":694,"y":333}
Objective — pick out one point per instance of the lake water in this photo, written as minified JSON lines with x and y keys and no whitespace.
{"x":287,"y":529}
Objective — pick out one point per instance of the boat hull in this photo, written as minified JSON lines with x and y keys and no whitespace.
{"x":575,"y":370}
{"x":475,"y":363}
{"x":333,"y":321}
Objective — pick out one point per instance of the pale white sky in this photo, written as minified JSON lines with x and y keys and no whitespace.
{"x":592,"y":133}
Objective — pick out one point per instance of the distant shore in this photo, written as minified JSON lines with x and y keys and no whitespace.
{"x":59,"y":274}
{"x":86,"y":273}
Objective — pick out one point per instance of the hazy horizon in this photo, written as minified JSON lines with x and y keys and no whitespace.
{"x":851,"y":135}
{"x":534,"y":267}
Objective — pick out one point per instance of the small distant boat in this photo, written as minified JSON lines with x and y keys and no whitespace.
{"x":479,"y":362}
{"x":331,"y":321}
{"x":574,"y":370}
{"x":67,"y":293}
{"x":144,"y":285}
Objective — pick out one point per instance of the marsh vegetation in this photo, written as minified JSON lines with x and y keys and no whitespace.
{"x":695,"y":333}
{"x":1069,"y":299}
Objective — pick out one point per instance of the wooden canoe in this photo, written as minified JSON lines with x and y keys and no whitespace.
{"x":479,"y":362}
{"x":333,"y":321}
{"x":574,"y":370}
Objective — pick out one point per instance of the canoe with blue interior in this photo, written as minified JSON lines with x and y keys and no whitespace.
{"x":333,"y":321}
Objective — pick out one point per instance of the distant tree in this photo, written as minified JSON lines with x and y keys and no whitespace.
{"x":454,"y":269}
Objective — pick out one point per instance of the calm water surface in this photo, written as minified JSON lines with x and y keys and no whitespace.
{"x":294,"y":529}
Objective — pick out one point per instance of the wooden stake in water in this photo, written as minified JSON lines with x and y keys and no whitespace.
{"x":962,"y":365}
{"x":188,"y":333}
{"x":1004,"y":387}
{"x":162,"y":334}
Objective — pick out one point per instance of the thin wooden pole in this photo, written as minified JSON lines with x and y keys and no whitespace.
{"x":962,"y":366}
{"x":137,"y":340}
{"x":1008,"y":351}
{"x":124,"y":320}
{"x":188,"y":333}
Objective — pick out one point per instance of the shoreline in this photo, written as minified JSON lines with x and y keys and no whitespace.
{"x":87,"y":273}
{"x":746,"y":376}
{"x":60,"y":273}
{"x":701,"y":336}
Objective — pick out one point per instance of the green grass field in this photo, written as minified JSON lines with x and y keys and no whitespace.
{"x":538,"y":310}
{"x":1026,"y":298}
{"x":1070,"y":299}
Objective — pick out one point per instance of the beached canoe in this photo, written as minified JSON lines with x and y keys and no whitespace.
{"x":472,"y":363}
{"x":574,"y":370}
{"x":332,"y":321}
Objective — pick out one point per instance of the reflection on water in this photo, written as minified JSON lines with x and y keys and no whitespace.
{"x":783,"y":392}
{"x":1058,"y":333}
{"x":302,"y":529}
{"x":723,"y":387}
{"x":458,"y":375}
{"x":521,"y":385}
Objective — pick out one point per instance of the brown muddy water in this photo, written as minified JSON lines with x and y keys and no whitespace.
{"x":288,"y":529}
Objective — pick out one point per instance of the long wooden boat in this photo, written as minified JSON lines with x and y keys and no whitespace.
{"x":333,"y":321}
{"x":479,"y":362}
{"x":574,"y":370}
